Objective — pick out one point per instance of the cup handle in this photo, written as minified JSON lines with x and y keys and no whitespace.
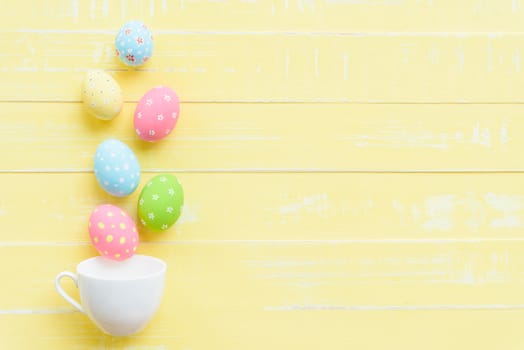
{"x":63,"y":293}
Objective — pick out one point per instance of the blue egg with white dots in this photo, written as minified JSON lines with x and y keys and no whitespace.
{"x":116,"y":168}
{"x":134,"y":43}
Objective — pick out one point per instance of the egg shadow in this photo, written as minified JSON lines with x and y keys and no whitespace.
{"x":150,"y":236}
{"x":137,"y":80}
{"x":95,"y":125}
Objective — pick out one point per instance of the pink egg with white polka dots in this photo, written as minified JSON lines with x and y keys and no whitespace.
{"x":113,"y":232}
{"x":156,"y":114}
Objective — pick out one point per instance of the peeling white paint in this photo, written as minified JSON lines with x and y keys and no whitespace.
{"x":461,"y":59}
{"x":92,"y":9}
{"x":345,"y":67}
{"x":504,"y":133}
{"x":439,"y":212}
{"x":280,"y":263}
{"x":199,"y":70}
{"x":398,"y":206}
{"x":287,"y":64}
{"x":510,"y":207}
{"x":75,"y":11}
{"x":416,"y":212}
{"x":98,"y":52}
{"x":123,"y":8}
{"x":300,"y":5}
{"x":490,"y":54}
{"x":481,"y":135}
{"x":516,"y":60}
{"x":316,"y":63}
{"x":318,"y":204}
{"x":188,"y":214}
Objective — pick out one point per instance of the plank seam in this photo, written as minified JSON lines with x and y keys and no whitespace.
{"x":275,"y":171}
{"x":286,"y":242}
{"x":182,"y":32}
{"x":437,"y":307}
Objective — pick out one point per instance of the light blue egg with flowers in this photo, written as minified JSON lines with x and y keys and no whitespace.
{"x":134,"y":43}
{"x":116,"y":168}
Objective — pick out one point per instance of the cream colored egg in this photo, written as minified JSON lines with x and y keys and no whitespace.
{"x":101,"y":94}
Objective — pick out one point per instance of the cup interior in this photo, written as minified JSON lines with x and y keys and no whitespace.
{"x":136,"y":267}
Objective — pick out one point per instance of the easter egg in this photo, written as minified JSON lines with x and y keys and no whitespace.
{"x":116,"y":168}
{"x":156,"y":113}
{"x":113,"y":232}
{"x":160,"y":202}
{"x":134,"y":43}
{"x":101,"y":95}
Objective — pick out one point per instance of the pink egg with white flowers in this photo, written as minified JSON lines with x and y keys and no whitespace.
{"x":156,"y":114}
{"x":113,"y":232}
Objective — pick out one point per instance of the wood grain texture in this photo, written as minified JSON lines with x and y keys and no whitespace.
{"x":352,"y":171}
{"x":427,"y":68}
{"x":275,"y":137}
{"x":280,"y":278}
{"x":279,"y":207}
{"x":284,"y":292}
{"x":275,"y":15}
{"x":445,"y":329}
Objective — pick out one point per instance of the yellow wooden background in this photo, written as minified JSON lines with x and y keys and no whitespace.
{"x":353,"y":170}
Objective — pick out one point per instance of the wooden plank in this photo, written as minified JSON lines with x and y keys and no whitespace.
{"x":431,"y":208}
{"x":294,"y":277}
{"x":274,"y":67}
{"x":275,"y":137}
{"x":202,"y":329}
{"x":277,"y":15}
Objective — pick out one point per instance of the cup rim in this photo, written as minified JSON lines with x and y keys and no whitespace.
{"x":161,"y":271}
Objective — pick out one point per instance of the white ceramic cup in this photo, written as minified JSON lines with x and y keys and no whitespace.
{"x":120,"y":297}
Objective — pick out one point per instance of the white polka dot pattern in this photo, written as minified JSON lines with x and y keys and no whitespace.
{"x":116,"y":168}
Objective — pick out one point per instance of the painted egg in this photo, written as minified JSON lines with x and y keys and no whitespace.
{"x":156,"y":114}
{"x":101,"y":94}
{"x":116,"y":168}
{"x":160,"y":202}
{"x":134,"y":43}
{"x":113,"y":232}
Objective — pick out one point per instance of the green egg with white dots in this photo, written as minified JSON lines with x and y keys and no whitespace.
{"x":160,"y":202}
